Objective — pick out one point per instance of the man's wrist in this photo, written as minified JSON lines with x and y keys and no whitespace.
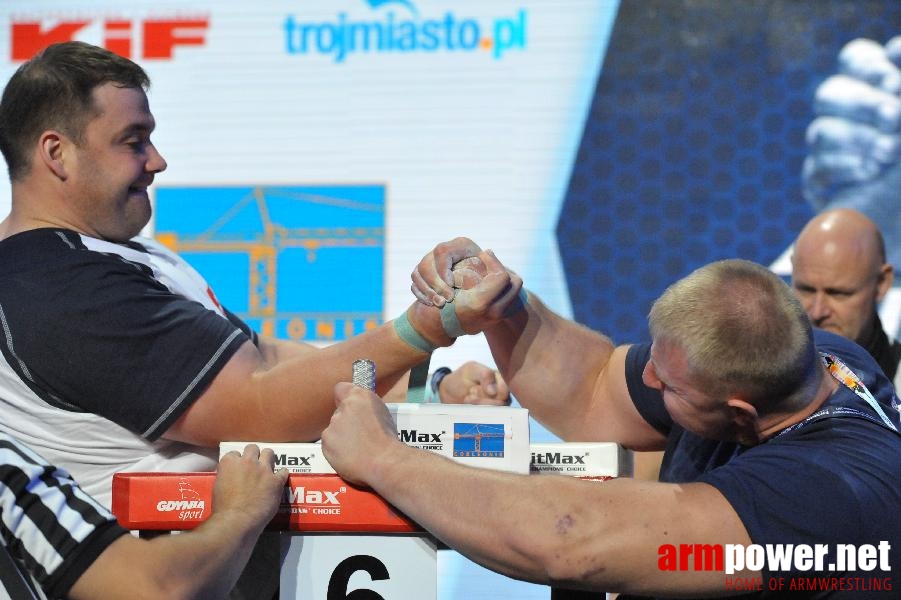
{"x":426,"y":321}
{"x":408,"y":335}
{"x":435,"y":381}
{"x":518,"y":305}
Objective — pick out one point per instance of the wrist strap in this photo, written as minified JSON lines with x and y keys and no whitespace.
{"x":432,"y":394}
{"x":418,"y":386}
{"x":449,"y":320}
{"x":410,"y":336}
{"x":451,"y":323}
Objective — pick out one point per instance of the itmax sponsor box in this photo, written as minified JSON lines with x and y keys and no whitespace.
{"x":312,"y":503}
{"x":491,"y":437}
{"x":588,"y":460}
{"x":297,"y":457}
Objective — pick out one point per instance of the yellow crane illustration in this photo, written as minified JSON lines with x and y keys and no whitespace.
{"x":263,"y":247}
{"x":477,"y":435}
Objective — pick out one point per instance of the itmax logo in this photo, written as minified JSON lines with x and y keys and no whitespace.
{"x":401,"y":34}
{"x":557,"y":458}
{"x":294,"y":463}
{"x":422,"y":440}
{"x":305,"y":501}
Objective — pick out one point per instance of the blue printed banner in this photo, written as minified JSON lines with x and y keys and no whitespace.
{"x":298,"y":262}
{"x":484,"y":440}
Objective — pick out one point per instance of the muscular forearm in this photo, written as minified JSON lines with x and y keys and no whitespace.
{"x":580,"y":533}
{"x":392,"y":355}
{"x":201,"y":565}
{"x":284,"y":395}
{"x":219,"y":550}
{"x":311,"y":379}
{"x":549,"y":361}
{"x":442,"y":496}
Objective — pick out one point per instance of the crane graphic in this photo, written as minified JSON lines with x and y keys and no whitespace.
{"x":248,"y":224}
{"x":468,"y":439}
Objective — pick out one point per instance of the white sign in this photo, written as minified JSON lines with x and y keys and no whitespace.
{"x":334,"y":566}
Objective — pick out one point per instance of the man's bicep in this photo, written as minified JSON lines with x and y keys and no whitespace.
{"x":230,"y":408}
{"x":612,"y":414}
{"x":254,"y":398}
{"x":669,"y":538}
{"x":274,"y":350}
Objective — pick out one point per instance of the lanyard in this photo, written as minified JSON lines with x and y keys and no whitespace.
{"x":850,"y":380}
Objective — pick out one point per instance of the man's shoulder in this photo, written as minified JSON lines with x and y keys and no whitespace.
{"x":826,"y":339}
{"x":46,"y":247}
{"x":37,"y":247}
{"x":855,"y":356}
{"x":44,"y":238}
{"x":41,"y":266}
{"x":865,"y":384}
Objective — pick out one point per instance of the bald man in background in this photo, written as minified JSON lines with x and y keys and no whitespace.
{"x":840,"y":274}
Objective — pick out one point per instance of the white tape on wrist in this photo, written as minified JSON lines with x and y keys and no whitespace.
{"x":449,"y":320}
{"x":410,"y":336}
{"x":451,"y":323}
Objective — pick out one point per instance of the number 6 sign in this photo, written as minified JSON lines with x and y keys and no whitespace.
{"x":358,"y":567}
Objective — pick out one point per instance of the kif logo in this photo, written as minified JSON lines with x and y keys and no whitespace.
{"x":131,"y":38}
{"x":479,"y":440}
{"x":405,"y":32}
{"x":189,"y":505}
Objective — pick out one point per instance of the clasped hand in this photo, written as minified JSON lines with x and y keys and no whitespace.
{"x":481,"y":288}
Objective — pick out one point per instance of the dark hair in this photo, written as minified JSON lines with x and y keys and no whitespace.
{"x":53,"y":90}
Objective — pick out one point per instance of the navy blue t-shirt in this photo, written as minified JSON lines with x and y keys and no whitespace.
{"x":831,"y":480}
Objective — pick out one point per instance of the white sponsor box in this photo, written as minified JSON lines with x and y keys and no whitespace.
{"x":491,"y":437}
{"x":587,"y":460}
{"x":297,"y":457}
{"x":397,"y":567}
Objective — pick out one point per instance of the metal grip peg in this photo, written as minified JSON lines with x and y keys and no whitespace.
{"x":364,"y":374}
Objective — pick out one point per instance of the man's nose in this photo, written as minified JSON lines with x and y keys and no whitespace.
{"x":819,"y":307}
{"x":156,"y":162}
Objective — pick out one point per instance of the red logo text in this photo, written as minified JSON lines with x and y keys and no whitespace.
{"x":144,"y":39}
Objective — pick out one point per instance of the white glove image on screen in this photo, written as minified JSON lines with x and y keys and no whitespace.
{"x":854,"y":143}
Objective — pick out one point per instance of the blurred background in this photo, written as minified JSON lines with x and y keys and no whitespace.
{"x":318,"y":149}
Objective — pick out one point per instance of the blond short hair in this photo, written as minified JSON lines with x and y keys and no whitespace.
{"x":743,"y":332}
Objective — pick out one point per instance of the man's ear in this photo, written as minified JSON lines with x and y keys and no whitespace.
{"x":885,"y":280}
{"x":51,"y":151}
{"x":744,"y":414}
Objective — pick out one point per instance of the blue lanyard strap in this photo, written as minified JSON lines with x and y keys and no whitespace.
{"x":850,"y":380}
